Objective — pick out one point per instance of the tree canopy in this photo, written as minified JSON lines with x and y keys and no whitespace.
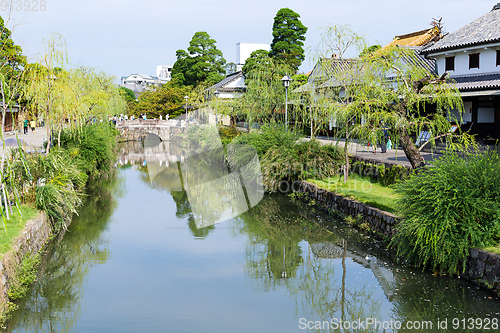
{"x":11,"y":57}
{"x":288,"y":37}
{"x":202,"y":62}
{"x":162,"y":100}
{"x":265,"y":92}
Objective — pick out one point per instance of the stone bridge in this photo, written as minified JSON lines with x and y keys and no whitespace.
{"x":133,"y":130}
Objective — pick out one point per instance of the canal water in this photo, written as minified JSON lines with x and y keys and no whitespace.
{"x":141,"y":257}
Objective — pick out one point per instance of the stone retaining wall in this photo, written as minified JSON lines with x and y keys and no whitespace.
{"x":32,"y":239}
{"x":482,"y":268}
{"x":379,"y":221}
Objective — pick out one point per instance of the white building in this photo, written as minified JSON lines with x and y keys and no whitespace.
{"x":471,"y":57}
{"x":140,"y":82}
{"x":164,"y":72}
{"x":243,"y":51}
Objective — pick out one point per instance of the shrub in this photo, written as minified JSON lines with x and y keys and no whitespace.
{"x":228,"y":133}
{"x":269,"y":136}
{"x":94,"y":145}
{"x":449,"y":208}
{"x":306,"y":159}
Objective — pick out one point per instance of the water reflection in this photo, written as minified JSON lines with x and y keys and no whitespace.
{"x":54,"y":302}
{"x":154,"y":269}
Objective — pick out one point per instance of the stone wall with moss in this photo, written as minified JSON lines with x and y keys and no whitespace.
{"x":380,"y":222}
{"x":483,"y":268}
{"x":24,"y":251}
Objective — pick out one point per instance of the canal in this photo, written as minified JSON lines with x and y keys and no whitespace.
{"x":142,"y":256}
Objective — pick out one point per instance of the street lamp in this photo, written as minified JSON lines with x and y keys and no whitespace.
{"x":286,"y":82}
{"x":186,"y":99}
{"x":216,"y":93}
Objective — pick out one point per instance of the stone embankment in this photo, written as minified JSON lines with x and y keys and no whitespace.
{"x":32,"y":240}
{"x":483,"y":268}
{"x":379,"y":221}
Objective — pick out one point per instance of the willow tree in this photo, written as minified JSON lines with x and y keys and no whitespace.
{"x":394,"y":91}
{"x":40,"y":89}
{"x":265,"y":94}
{"x":399,"y":93}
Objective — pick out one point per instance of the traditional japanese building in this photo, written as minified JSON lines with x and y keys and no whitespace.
{"x":471,"y":57}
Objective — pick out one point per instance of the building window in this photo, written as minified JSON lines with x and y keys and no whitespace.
{"x":449,"y":64}
{"x":474,"y":60}
{"x":498,"y":57}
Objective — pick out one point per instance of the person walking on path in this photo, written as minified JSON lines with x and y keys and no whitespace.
{"x":25,"y":125}
{"x":33,"y":126}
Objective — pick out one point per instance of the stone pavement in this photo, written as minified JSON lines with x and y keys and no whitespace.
{"x":394,"y":156}
{"x":34,"y":141}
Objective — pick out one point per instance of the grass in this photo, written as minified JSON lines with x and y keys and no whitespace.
{"x":361,"y":189}
{"x":492,"y":249}
{"x":14,"y":226}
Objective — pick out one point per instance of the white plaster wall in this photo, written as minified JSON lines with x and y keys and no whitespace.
{"x":487,"y":61}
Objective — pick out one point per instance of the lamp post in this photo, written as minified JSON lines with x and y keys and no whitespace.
{"x":286,"y":82}
{"x":186,"y":99}
{"x":216,"y":93}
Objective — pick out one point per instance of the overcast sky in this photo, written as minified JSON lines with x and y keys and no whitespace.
{"x":131,"y":36}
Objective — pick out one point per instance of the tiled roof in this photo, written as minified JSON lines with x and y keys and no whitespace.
{"x":221,"y":85}
{"x":419,"y":38}
{"x":420,"y":60}
{"x":477,"y":82}
{"x":485,"y":29}
{"x":327,"y":68}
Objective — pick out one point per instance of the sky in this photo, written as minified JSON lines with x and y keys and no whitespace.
{"x":130,"y":36}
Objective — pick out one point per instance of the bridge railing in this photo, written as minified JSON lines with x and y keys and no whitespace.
{"x":149,"y":122}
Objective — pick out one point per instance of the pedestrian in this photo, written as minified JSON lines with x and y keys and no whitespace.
{"x":25,"y":125}
{"x":33,"y":126}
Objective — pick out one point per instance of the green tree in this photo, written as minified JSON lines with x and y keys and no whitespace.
{"x":265,"y":93}
{"x":370,"y":50}
{"x":203,"y":62}
{"x":288,"y":37}
{"x":167,"y":99}
{"x":387,"y":92}
{"x":12,"y":61}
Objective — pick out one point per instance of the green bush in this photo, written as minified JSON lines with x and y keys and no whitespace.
{"x":449,"y":208}
{"x":306,"y":159}
{"x":60,"y":184}
{"x":94,"y":145}
{"x":269,"y":136}
{"x":379,"y":173}
{"x":228,"y":133}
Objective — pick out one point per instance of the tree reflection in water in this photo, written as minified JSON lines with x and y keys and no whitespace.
{"x":274,"y":259}
{"x":54,"y":302}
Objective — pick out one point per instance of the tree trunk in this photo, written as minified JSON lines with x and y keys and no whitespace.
{"x":411,"y":152}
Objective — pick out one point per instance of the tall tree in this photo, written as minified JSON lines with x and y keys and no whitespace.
{"x":11,"y":59}
{"x":288,"y":37}
{"x":265,"y":93}
{"x":203,"y":62}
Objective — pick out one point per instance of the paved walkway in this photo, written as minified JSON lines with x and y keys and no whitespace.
{"x":33,"y":141}
{"x":395,"y":156}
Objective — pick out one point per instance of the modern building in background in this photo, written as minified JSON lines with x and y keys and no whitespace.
{"x":140,"y":82}
{"x":243,"y":51}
